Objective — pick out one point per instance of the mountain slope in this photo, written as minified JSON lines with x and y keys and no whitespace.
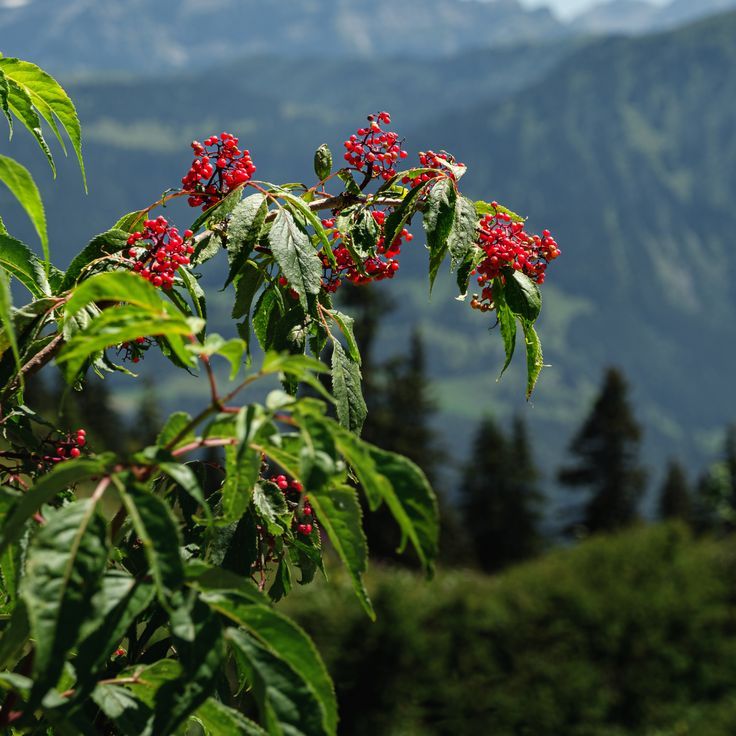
{"x":135,"y":35}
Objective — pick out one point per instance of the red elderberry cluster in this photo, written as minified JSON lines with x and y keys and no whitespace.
{"x":507,"y":245}
{"x":66,"y":448}
{"x":219,"y":166}
{"x":158,"y":251}
{"x":293,"y":489}
{"x":374,"y":149}
{"x":431,"y":160}
{"x":383,"y":266}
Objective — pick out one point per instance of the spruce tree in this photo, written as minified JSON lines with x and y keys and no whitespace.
{"x":675,"y":501}
{"x":499,"y":497}
{"x":607,"y":452}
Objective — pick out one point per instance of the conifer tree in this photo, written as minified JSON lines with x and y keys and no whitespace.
{"x":499,"y":497}
{"x":607,"y":452}
{"x":675,"y":501}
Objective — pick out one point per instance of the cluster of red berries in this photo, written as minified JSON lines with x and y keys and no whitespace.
{"x":377,"y":268}
{"x":430,"y":160}
{"x":67,"y":448}
{"x":507,"y":245}
{"x":375,"y":149}
{"x":219,"y":166}
{"x":158,"y":251}
{"x":293,"y":489}
{"x":135,"y":350}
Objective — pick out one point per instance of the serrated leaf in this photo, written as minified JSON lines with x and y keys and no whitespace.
{"x":346,"y":388}
{"x":4,"y":101}
{"x":118,"y":602}
{"x":220,"y":211}
{"x":21,"y":185}
{"x":401,"y":215}
{"x":6,"y":319}
{"x":195,"y":290}
{"x":219,"y":720}
{"x":50,"y":99}
{"x":19,"y":103}
{"x":59,"y":478}
{"x":63,"y":570}
{"x":464,"y":232}
{"x":19,"y":261}
{"x":507,"y":324}
{"x":522,"y":295}
{"x":339,"y":514}
{"x":346,"y":325}
{"x":243,"y":231}
{"x":132,"y":222}
{"x":129,"y":714}
{"x":175,"y":430}
{"x":295,"y":256}
{"x":395,"y":480}
{"x":157,"y":529}
{"x":286,"y":641}
{"x":486,"y":208}
{"x":438,"y":221}
{"x":201,"y":660}
{"x":266,"y":314}
{"x":270,"y":504}
{"x":362,"y":236}
{"x":104,"y":244}
{"x":534,"y":358}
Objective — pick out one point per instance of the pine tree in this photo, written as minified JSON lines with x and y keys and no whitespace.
{"x":675,"y":501}
{"x":499,"y":497}
{"x":607,"y":449}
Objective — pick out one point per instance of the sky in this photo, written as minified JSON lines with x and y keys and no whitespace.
{"x":569,"y":8}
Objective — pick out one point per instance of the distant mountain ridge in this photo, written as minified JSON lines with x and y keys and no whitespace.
{"x":142,"y":36}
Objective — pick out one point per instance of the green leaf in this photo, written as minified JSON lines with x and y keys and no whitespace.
{"x":243,"y":231}
{"x":19,"y":103}
{"x":507,"y":323}
{"x":184,"y":477}
{"x":401,"y":215}
{"x":118,"y":286}
{"x":395,"y":480}
{"x":132,"y":222}
{"x":438,"y":221}
{"x":323,"y":162}
{"x":285,"y":700}
{"x":286,"y":641}
{"x":4,"y":101}
{"x":116,"y":605}
{"x":158,"y":531}
{"x":296,"y":256}
{"x":300,"y":208}
{"x":20,"y":182}
{"x":174,"y":428}
{"x":464,"y":232}
{"x":101,"y":246}
{"x":486,"y":208}
{"x":195,"y":290}
{"x":129,"y":714}
{"x":19,"y":261}
{"x":50,"y":99}
{"x":63,"y":570}
{"x":346,"y":327}
{"x":266,"y":315}
{"x":534,"y":359}
{"x":59,"y":478}
{"x":346,"y":388}
{"x":522,"y":295}
{"x":242,"y":465}
{"x":219,"y":720}
{"x":232,"y":350}
{"x":219,"y":212}
{"x":6,"y":319}
{"x":123,"y":324}
{"x":361,"y":235}
{"x":270,"y":504}
{"x":201,"y":660}
{"x":339,"y":514}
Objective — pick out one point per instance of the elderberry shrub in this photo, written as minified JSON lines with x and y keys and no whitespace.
{"x":136,"y":591}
